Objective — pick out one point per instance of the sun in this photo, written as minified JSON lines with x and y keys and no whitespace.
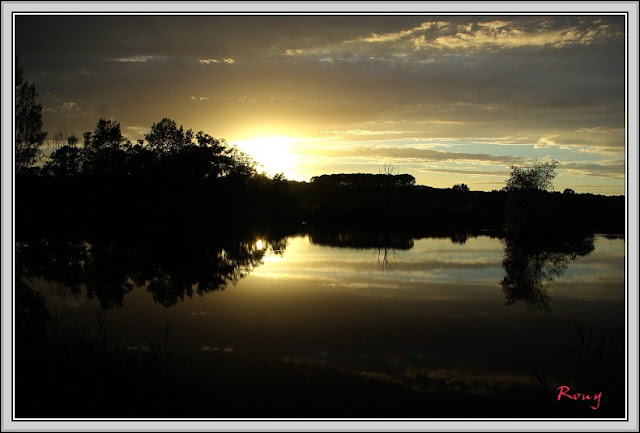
{"x":273,"y":153}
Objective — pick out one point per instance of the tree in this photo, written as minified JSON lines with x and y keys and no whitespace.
{"x":460,"y":187}
{"x":29,"y":135}
{"x":241,"y":163}
{"x":386,"y":169}
{"x":205,"y":140}
{"x":536,"y":177}
{"x":65,"y":161}
{"x":568,"y":191}
{"x":165,"y":136}
{"x":103,"y":148}
{"x":106,"y":135}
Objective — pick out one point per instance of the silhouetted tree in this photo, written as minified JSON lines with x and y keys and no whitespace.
{"x":529,"y":206}
{"x":63,"y":138}
{"x":536,"y":177}
{"x":242,"y":164}
{"x":568,"y":191}
{"x":386,"y":169}
{"x":103,"y":148}
{"x":364,"y":180}
{"x":106,"y":135}
{"x":28,"y":123}
{"x":205,"y":140}
{"x":165,"y":137}
{"x":65,"y":161}
{"x":460,"y":187}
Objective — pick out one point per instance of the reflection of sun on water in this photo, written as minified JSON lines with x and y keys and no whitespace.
{"x":272,"y":153}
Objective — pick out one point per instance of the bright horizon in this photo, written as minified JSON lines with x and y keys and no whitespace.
{"x":447,"y":99}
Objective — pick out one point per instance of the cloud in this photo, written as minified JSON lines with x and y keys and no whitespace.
{"x":509,"y":35}
{"x":606,"y":169}
{"x":365,"y":132}
{"x":433,"y":38}
{"x":227,"y":60}
{"x":587,"y":139}
{"x":425,"y":155}
{"x":502,"y":173}
{"x":293,"y":52}
{"x":136,"y":131}
{"x":563,"y":103}
{"x":395,"y":36}
{"x":69,"y":106}
{"x":199,"y":99}
{"x":137,"y":59}
{"x":601,"y":130}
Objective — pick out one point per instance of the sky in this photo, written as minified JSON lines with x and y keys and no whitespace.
{"x":448,"y":99}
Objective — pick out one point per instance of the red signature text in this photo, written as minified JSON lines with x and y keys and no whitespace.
{"x":563,"y":391}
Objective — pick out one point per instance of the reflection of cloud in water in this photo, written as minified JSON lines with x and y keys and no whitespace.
{"x":429,"y":261}
{"x":207,"y":348}
{"x":605,"y":289}
{"x":598,"y":278}
{"x":139,"y":348}
{"x":399,"y":265}
{"x":478,"y":383}
{"x":420,"y":377}
{"x":363,"y":286}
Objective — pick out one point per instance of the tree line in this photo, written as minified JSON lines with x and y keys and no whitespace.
{"x":166,"y":150}
{"x":179,"y":175}
{"x":365,"y":180}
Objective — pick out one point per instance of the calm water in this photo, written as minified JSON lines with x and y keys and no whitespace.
{"x":432,"y":315}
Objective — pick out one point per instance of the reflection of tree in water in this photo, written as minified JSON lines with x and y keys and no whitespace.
{"x":211,"y":269}
{"x":383,"y":257}
{"x":532,"y":260}
{"x":172,"y":269}
{"x":58,"y":261}
{"x":459,"y":238}
{"x":361,"y":240}
{"x":384,"y":242}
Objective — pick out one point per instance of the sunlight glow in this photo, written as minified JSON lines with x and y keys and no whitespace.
{"x":273,"y":153}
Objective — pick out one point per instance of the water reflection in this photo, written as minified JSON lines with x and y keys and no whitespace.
{"x":362,"y":240}
{"x":385,"y":243}
{"x":434,"y":325}
{"x":532,"y":260}
{"x":171,"y":268}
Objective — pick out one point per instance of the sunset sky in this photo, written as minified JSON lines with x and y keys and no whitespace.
{"x":448,"y":99}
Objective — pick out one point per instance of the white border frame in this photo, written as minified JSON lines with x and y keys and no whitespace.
{"x":336,"y":8}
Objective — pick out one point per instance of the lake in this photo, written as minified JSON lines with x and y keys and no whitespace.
{"x":328,"y":324}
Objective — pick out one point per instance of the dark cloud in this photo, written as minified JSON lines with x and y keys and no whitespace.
{"x":612,"y":169}
{"x":563,"y":103}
